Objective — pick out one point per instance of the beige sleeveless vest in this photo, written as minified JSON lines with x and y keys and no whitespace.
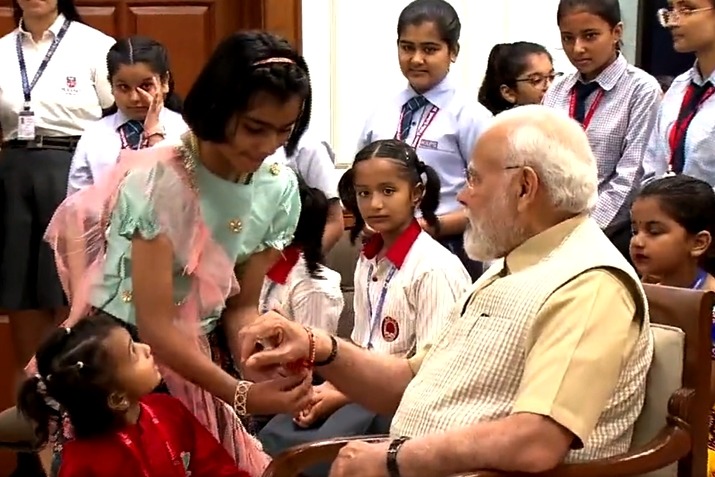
{"x":473,"y":371}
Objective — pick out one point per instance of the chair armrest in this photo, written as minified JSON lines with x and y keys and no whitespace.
{"x":671,"y":444}
{"x":293,"y":461}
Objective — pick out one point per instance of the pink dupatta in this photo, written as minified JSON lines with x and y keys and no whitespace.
{"x":77,"y":233}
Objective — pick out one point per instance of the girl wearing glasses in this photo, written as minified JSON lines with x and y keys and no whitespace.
{"x":517,"y":74}
{"x":682,"y":139}
{"x":615,"y":102}
{"x":431,"y":114}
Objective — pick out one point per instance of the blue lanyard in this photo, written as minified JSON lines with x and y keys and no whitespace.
{"x":375,"y":317}
{"x":699,"y":279}
{"x":27,"y":87}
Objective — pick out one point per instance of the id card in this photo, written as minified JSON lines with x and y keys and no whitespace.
{"x":26,"y":126}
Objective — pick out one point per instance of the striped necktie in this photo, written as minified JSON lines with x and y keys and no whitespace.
{"x":408,"y":112}
{"x":132,"y":132}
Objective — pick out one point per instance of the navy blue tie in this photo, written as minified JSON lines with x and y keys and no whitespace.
{"x":408,"y":112}
{"x":132,"y":131}
{"x":583,"y":91}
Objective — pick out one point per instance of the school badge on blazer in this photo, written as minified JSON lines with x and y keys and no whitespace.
{"x":390,"y":329}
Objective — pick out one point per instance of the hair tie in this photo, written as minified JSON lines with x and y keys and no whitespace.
{"x":80,"y":365}
{"x":421,"y":167}
{"x":42,"y":391}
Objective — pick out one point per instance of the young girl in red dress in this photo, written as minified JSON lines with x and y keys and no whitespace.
{"x":103,"y":380}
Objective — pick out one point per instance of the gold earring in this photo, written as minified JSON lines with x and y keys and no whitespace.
{"x":118,"y":402}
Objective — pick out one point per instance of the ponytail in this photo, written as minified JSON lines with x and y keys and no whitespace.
{"x":430,"y":199}
{"x":490,"y":92}
{"x":348,"y":196}
{"x":34,"y":404}
{"x":311,"y":226}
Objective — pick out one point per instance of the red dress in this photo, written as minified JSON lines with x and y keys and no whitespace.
{"x":166,"y":431}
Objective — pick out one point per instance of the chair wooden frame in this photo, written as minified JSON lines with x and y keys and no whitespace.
{"x":683,"y":438}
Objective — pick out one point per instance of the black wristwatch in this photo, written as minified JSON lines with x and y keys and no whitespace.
{"x":392,"y":469}
{"x":333,"y":353}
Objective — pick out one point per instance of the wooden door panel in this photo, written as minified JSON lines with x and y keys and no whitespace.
{"x":188,"y":33}
{"x":103,"y":18}
{"x":7,"y":21}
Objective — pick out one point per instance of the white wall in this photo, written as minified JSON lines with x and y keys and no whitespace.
{"x":350,"y":47}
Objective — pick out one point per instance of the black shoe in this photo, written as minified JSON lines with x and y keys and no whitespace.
{"x":28,"y":465}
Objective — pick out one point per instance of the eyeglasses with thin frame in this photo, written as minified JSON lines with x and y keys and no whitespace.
{"x":667,"y":16}
{"x":539,"y":81}
{"x":473,"y":176}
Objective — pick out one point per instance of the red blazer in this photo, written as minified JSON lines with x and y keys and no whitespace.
{"x":109,"y":456}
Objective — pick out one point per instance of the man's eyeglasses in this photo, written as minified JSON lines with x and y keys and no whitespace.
{"x":473,"y":177}
{"x":539,"y":81}
{"x":667,"y":16}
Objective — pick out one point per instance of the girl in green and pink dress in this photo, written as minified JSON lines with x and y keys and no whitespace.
{"x":166,"y":240}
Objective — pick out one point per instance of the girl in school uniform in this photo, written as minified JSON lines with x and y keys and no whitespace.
{"x":614,"y":101}
{"x":53,"y":84}
{"x":405,"y":283}
{"x":146,"y":110}
{"x":299,"y":284}
{"x":517,"y":74}
{"x":683,"y":138}
{"x":49,"y":93}
{"x":673,"y":229}
{"x":314,"y":161}
{"x":431,"y":114}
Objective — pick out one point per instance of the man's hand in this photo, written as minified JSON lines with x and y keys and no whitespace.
{"x":271,"y":342}
{"x":361,"y":458}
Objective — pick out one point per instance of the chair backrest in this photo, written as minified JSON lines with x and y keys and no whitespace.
{"x":665,"y":377}
{"x":692,"y":312}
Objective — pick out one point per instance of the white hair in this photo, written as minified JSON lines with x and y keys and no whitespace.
{"x":557,"y":148}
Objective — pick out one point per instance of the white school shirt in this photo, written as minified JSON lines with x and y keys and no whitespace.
{"x":100,"y":145}
{"x":423,"y":280}
{"x":289,"y":287}
{"x":699,"y":138}
{"x":314,"y":161}
{"x":72,"y":91}
{"x":446,"y":144}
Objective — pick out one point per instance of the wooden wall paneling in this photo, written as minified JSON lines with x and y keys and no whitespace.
{"x":106,"y":18}
{"x":7,"y":21}
{"x":187,"y":31}
{"x":284,"y":17}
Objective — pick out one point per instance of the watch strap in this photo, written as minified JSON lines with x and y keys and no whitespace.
{"x":392,"y":468}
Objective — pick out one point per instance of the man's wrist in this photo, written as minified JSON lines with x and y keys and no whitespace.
{"x":323,"y":345}
{"x":393,"y":468}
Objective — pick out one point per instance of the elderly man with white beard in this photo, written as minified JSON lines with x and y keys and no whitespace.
{"x":543,"y":361}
